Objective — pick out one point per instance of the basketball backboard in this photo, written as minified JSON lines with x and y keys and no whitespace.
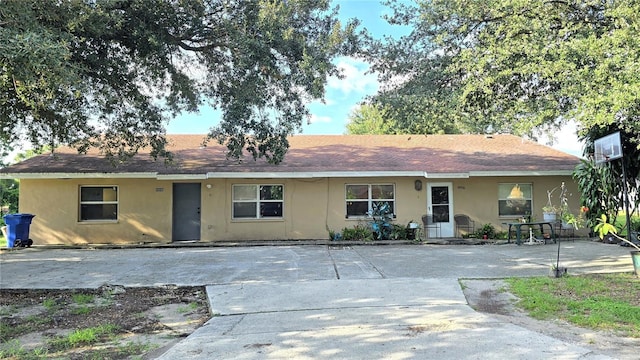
{"x":608,"y":148}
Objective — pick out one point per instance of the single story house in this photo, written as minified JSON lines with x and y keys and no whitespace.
{"x":326,"y":182}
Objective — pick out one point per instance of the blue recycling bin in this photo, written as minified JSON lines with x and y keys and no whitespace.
{"x":18,"y":229}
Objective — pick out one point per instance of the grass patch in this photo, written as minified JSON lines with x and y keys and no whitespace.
{"x":82,"y":299}
{"x":50,"y":304}
{"x":83,"y":337}
{"x":595,"y":301}
{"x":14,"y":350}
{"x":82,"y":310}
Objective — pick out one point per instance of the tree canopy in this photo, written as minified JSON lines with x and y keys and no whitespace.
{"x":602,"y":186}
{"x":516,"y":66}
{"x":370,"y":119}
{"x":111,"y":73}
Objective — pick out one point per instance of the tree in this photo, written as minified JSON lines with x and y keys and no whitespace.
{"x":370,"y":119}
{"x":602,"y":185}
{"x":10,"y":188}
{"x":422,"y":103}
{"x":111,"y":73}
{"x":517,"y":66}
{"x":9,"y":191}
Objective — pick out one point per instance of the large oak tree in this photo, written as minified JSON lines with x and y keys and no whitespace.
{"x":111,"y":73}
{"x":515,"y":65}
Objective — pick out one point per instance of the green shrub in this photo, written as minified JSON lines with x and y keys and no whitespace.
{"x":486,"y":230}
{"x":398,"y":232}
{"x":357,"y":233}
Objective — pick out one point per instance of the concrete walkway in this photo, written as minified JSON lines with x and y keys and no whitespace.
{"x":330,"y":302}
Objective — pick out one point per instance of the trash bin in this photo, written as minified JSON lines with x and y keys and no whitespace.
{"x":18,"y":229}
{"x":411,"y":230}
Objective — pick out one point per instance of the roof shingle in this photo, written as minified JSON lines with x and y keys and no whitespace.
{"x":434,"y":154}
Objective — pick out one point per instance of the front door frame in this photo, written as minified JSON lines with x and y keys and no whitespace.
{"x":186,"y":212}
{"x":445,"y":229}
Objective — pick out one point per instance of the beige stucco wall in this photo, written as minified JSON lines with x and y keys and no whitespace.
{"x":144,"y":212}
{"x":312,"y":207}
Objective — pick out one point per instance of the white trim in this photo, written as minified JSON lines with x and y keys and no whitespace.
{"x":447,"y":176}
{"x":444,"y":229}
{"x":181,"y":177}
{"x":127,"y":175}
{"x":522,"y":173}
{"x":312,"y":174}
{"x":284,"y":175}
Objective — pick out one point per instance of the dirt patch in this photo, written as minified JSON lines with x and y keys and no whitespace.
{"x":493,"y":297}
{"x":111,"y":322}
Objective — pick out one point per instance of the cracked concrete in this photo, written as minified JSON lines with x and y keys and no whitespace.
{"x":320,"y":302}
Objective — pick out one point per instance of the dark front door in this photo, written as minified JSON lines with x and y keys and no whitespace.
{"x":186,"y":211}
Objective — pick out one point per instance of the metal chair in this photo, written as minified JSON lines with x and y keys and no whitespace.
{"x":428,"y":224}
{"x":464,"y":223}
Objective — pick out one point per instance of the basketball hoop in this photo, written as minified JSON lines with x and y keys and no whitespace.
{"x":607,"y":148}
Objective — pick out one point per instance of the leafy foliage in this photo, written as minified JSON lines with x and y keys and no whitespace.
{"x":601,"y":186}
{"x":111,"y":73}
{"x":357,"y":233}
{"x":9,"y":191}
{"x":513,"y":66}
{"x":381,"y":218}
{"x":370,"y":119}
{"x":487,"y":230}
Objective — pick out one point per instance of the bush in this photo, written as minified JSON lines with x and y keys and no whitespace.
{"x":486,"y":230}
{"x":398,"y":232}
{"x":357,"y":233}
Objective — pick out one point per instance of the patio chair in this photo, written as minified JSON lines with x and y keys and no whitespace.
{"x":464,"y":223}
{"x":428,"y":224}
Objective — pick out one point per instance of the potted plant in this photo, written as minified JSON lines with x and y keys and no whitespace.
{"x":488,"y":231}
{"x":569,"y":220}
{"x":604,"y":228}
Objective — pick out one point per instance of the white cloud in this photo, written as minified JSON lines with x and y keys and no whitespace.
{"x":565,"y":139}
{"x":356,"y":79}
{"x":315,"y":119}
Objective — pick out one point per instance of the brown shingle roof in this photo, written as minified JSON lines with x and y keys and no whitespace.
{"x":433,"y":154}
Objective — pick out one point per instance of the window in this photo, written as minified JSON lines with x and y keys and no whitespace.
{"x":98,"y":203}
{"x":514,"y":200}
{"x":360,"y":198}
{"x":257,"y":201}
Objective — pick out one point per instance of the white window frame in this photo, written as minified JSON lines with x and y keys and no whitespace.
{"x":115,"y":202}
{"x":257,"y":201}
{"x":369,"y":200}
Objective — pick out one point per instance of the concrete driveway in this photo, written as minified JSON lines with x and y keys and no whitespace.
{"x":330,"y":302}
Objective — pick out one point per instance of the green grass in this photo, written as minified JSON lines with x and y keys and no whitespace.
{"x":83,"y":337}
{"x":14,"y":350}
{"x":50,"y":304}
{"x":601,"y":302}
{"x":82,"y":310}
{"x":81,"y":299}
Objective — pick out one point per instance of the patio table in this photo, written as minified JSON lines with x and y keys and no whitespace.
{"x":532,"y":225}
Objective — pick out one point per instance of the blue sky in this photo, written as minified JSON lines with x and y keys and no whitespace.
{"x":343,"y":96}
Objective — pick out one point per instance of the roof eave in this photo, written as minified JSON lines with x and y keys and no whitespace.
{"x":285,"y":175}
{"x":66,"y":175}
{"x":521,"y":173}
{"x":313,"y":174}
